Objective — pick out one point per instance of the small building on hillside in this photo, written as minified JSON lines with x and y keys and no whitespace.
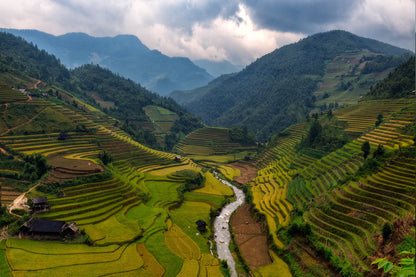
{"x":201,"y":226}
{"x":70,"y":230}
{"x":63,"y":136}
{"x":40,"y":204}
{"x":49,"y":229}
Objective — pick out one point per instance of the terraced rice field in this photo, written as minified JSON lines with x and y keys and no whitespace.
{"x":208,"y":141}
{"x":161,"y":120}
{"x":270,"y":187}
{"x":9,"y":95}
{"x":134,"y":217}
{"x":31,"y":258}
{"x":344,"y":217}
{"x":363,"y":116}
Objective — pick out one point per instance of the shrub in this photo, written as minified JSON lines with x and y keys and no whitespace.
{"x":366,"y":149}
{"x":386,"y":231}
{"x":105,"y":157}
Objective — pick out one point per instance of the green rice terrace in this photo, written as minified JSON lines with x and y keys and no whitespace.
{"x":161,"y":118}
{"x":80,"y":196}
{"x":136,"y":208}
{"x":136,"y":216}
{"x":213,"y":144}
{"x":343,"y":198}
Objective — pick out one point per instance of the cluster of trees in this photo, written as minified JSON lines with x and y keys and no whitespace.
{"x":28,"y":59}
{"x":380,"y":63}
{"x":323,"y":137}
{"x":184,"y":125}
{"x":129,"y":99}
{"x":192,"y":180}
{"x":56,"y":188}
{"x":30,"y":167}
{"x":242,"y":136}
{"x":105,"y":157}
{"x":399,"y":83}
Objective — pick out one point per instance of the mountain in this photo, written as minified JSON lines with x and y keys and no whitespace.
{"x":218,"y":68}
{"x":124,"y":54}
{"x":185,"y":96}
{"x":138,"y":110}
{"x":52,"y":139}
{"x":280,"y":88}
{"x":400,"y":83}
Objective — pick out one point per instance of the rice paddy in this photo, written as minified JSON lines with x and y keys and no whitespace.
{"x":135,"y":220}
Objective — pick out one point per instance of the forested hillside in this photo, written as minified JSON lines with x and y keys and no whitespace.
{"x":99,"y":87}
{"x":124,"y":54}
{"x":280,"y":88}
{"x":400,"y":83}
{"x":337,"y":191}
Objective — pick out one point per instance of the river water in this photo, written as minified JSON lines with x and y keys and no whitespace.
{"x":221,"y":227}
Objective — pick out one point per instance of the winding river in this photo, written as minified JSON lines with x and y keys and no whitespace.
{"x":221,"y":227}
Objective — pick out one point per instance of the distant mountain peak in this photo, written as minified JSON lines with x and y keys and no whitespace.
{"x":124,"y":54}
{"x":279,"y":88}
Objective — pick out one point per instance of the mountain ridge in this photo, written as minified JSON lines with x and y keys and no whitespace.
{"x":282,"y":83}
{"x":123,"y":54}
{"x":120,"y":97}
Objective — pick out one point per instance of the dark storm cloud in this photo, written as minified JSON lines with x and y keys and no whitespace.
{"x":237,"y":30}
{"x":303,"y":16}
{"x":183,"y":15}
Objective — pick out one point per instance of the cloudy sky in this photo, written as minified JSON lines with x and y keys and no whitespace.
{"x":236,"y":30}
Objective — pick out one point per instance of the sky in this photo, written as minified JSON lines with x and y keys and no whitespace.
{"x":239,"y":31}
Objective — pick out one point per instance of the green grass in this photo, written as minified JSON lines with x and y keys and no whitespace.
{"x":4,"y":266}
{"x":116,"y":229}
{"x":186,"y":217}
{"x":156,"y":246}
{"x":214,"y":200}
{"x":146,"y":216}
{"x":124,"y":259}
{"x":162,"y":192}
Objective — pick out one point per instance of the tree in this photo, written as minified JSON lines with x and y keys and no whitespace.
{"x":329,"y":113}
{"x":366,"y":149}
{"x":314,"y":132}
{"x":379,"y":151}
{"x":387,"y":231}
{"x":379,"y":119}
{"x":105,"y":157}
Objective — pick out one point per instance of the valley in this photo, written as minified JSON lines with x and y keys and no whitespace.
{"x":150,"y":188}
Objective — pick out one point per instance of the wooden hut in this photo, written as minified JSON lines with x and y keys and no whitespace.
{"x":40,"y":204}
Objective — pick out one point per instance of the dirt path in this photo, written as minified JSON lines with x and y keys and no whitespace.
{"x":248,"y":171}
{"x":21,"y":124}
{"x":4,"y":151}
{"x":35,"y":85}
{"x":20,"y":202}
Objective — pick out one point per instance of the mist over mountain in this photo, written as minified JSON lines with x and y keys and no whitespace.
{"x":218,"y":68}
{"x":280,"y":88}
{"x":121,"y":98}
{"x":123,"y":54}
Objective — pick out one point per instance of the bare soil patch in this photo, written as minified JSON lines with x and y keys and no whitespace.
{"x":250,"y":239}
{"x":63,"y":168}
{"x":248,"y":172}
